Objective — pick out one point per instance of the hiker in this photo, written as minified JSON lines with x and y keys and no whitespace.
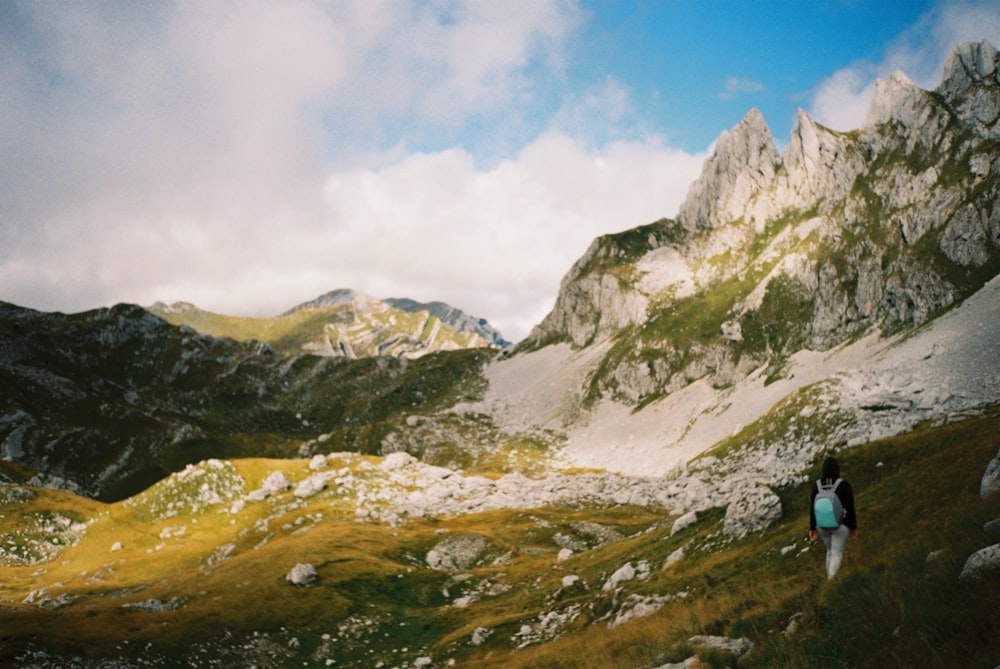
{"x":832,"y":515}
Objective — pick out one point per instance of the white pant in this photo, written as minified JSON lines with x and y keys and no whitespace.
{"x":835,"y":541}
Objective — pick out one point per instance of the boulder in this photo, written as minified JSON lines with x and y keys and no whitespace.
{"x":311,"y":485}
{"x":302,"y":574}
{"x":991,"y":478}
{"x":752,"y":508}
{"x":457,"y":552}
{"x":737,"y":647}
{"x":276,"y":482}
{"x":981,"y":563}
{"x":684,"y":522}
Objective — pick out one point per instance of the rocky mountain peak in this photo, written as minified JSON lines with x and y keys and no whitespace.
{"x":334,"y":298}
{"x":744,"y":161}
{"x":819,"y":164}
{"x":971,"y":85}
{"x":891,"y":98}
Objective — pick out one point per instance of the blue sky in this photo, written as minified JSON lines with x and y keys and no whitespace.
{"x":250,"y":156}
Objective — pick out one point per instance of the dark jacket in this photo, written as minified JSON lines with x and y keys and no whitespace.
{"x":846,"y":495}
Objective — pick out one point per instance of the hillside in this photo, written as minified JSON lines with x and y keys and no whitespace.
{"x":360,"y":571}
{"x":342,"y":324}
{"x":109,"y":401}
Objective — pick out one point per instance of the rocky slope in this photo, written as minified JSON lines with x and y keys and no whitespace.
{"x":846,"y":240}
{"x":345,"y":323}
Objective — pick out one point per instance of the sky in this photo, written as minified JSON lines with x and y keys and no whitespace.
{"x":250,"y":156}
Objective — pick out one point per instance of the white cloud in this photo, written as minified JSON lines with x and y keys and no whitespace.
{"x":734,"y":87}
{"x":496,"y":242}
{"x":180,"y":150}
{"x":841,"y":101}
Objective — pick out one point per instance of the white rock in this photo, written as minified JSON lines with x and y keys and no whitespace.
{"x":980,"y":563}
{"x":752,"y":508}
{"x":570,"y":581}
{"x":397,"y":460}
{"x":302,"y":574}
{"x":674,"y":558}
{"x":991,"y":478}
{"x":311,"y":485}
{"x":684,"y":522}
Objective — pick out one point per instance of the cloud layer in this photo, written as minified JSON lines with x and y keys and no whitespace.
{"x":223,"y":154}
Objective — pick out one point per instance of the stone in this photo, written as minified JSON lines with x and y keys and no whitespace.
{"x":276,"y":482}
{"x":311,"y":485}
{"x":990,"y":482}
{"x":752,"y":508}
{"x":684,"y":522}
{"x":738,"y":647}
{"x":981,"y":563}
{"x":674,"y":558}
{"x":302,"y":574}
{"x":458,"y":552}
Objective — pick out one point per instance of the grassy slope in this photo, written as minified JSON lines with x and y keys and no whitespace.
{"x":889,"y":607}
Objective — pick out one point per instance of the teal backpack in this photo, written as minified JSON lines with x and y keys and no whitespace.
{"x":827,"y":506}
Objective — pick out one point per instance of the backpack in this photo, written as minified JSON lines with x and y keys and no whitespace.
{"x":827,"y":506}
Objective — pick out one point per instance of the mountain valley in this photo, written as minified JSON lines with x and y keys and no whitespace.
{"x":367,"y":483}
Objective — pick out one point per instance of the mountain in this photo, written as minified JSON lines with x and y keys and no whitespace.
{"x":669,"y":336}
{"x":109,"y":401}
{"x":454,"y":318}
{"x":342,"y":323}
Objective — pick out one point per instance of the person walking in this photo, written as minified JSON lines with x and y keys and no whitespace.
{"x":832,"y":515}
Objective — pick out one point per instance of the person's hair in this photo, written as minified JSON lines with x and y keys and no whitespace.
{"x":831,"y":469}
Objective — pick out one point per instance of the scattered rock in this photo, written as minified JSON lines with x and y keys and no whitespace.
{"x":311,"y":485}
{"x":627,"y":572}
{"x":117,"y":546}
{"x":479,"y":636}
{"x":302,"y":574}
{"x":981,"y":563}
{"x":737,"y":647}
{"x":751,"y":509}
{"x":991,"y":478}
{"x":684,"y":522}
{"x":459,"y":551}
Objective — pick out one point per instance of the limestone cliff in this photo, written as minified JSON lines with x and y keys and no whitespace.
{"x":877,"y":229}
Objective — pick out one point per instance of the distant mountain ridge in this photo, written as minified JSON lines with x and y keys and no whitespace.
{"x":346,"y":323}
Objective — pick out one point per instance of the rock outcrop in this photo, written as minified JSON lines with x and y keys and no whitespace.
{"x":878,"y":229}
{"x":744,"y":162}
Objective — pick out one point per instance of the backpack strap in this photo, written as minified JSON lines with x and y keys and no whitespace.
{"x":821,"y":487}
